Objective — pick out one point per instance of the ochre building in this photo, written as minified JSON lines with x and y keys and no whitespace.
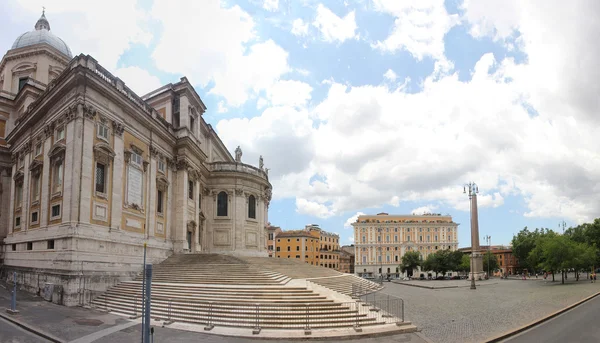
{"x":302,"y":245}
{"x":329,"y":247}
{"x":381,"y":240}
{"x":90,"y":171}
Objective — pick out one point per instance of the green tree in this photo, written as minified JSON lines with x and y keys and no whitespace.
{"x":493,"y":262}
{"x":583,"y":257}
{"x":523,"y":243}
{"x":465,"y":263}
{"x":557,"y":252}
{"x":411,"y":261}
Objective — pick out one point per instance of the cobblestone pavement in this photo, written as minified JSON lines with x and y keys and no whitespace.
{"x":496,"y":306}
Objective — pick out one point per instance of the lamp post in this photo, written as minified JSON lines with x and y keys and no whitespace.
{"x":473,"y":190}
{"x":488,"y":239}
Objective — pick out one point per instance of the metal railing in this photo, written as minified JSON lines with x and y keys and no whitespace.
{"x":256,"y":316}
{"x":360,"y":289}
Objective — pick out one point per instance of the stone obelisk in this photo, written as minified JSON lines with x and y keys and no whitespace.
{"x":476,"y":255}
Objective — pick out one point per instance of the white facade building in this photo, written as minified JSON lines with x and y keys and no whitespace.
{"x":381,"y":240}
{"x":90,"y":172}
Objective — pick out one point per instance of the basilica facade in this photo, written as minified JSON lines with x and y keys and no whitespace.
{"x":91,"y":171}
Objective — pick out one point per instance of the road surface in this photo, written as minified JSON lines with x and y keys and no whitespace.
{"x":577,"y":325}
{"x":10,"y":333}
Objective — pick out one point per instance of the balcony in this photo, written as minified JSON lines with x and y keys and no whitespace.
{"x":237,"y":167}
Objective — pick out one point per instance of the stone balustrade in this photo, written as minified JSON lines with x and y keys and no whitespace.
{"x":237,"y":167}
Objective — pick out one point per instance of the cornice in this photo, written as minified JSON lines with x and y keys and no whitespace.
{"x":40,"y":49}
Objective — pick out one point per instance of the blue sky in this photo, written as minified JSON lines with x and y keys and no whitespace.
{"x":373,"y":105}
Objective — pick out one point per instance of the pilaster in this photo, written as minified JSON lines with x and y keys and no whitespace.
{"x":26,"y":193}
{"x":88,"y":169}
{"x":117,"y":176}
{"x":11,"y":212}
{"x":72,"y":169}
{"x":180,"y":217}
{"x":45,"y":195}
{"x":151,"y":196}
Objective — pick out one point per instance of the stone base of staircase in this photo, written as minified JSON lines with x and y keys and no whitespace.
{"x":300,"y":334}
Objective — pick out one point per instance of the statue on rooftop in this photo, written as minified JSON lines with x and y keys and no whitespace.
{"x":238,"y":154}
{"x":261,"y":164}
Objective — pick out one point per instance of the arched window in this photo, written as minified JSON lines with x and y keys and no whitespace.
{"x":252,"y":207}
{"x":222,"y":204}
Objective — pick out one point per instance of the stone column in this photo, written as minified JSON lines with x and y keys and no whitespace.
{"x":117,"y":176}
{"x":45,"y":195}
{"x":197,"y":187}
{"x":88,"y":169}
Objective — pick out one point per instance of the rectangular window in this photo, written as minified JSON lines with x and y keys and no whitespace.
{"x":271,"y":236}
{"x":29,"y":245}
{"x":18,"y":221}
{"x":289,"y":248}
{"x":56,"y":211}
{"x":102,"y":131}
{"x":161,"y":166}
{"x":38,"y":149}
{"x":22,"y":83}
{"x":19,"y":195}
{"x":36,"y":187}
{"x":278,"y":248}
{"x":191,"y":190}
{"x":60,"y":133}
{"x":50,"y":244}
{"x":159,"y":201}
{"x":58,"y":176}
{"x":34,"y":217}
{"x":137,"y":159}
{"x":192,"y":124}
{"x":14,"y":247}
{"x":297,"y":256}
{"x":297,"y":248}
{"x":100,"y":178}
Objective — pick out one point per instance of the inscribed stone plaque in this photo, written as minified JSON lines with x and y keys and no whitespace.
{"x":134,"y":186}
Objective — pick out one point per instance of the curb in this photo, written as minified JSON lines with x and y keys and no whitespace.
{"x":31,"y":329}
{"x":539,"y":321}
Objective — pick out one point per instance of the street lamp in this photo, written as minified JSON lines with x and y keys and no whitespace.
{"x":473,"y":190}
{"x":488,"y":238}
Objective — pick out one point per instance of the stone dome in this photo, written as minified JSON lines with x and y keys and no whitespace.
{"x":42,"y":35}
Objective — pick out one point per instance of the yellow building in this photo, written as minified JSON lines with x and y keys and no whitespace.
{"x":298,"y":244}
{"x":381,"y":240}
{"x":329,"y":247}
{"x":272,"y":232}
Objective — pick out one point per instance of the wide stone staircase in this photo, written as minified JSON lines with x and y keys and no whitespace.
{"x":326,"y":277}
{"x":211,"y":289}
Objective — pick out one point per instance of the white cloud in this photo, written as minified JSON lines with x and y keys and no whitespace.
{"x":289,"y":93}
{"x":299,"y":27}
{"x":83,"y":25}
{"x":351,"y":239}
{"x":419,"y":27}
{"x":138,"y":79}
{"x":424,"y":209}
{"x":349,"y":221}
{"x":271,"y":5}
{"x":390,"y":75}
{"x":221,"y":108}
{"x":334,"y":28}
{"x":224,"y":49}
{"x":312,"y":208}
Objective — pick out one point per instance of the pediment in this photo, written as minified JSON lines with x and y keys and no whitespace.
{"x":35,"y":165}
{"x":102,"y":147}
{"x":18,"y":176}
{"x":57,"y":149}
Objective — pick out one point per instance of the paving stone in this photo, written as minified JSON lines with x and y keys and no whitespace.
{"x":496,"y":306}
